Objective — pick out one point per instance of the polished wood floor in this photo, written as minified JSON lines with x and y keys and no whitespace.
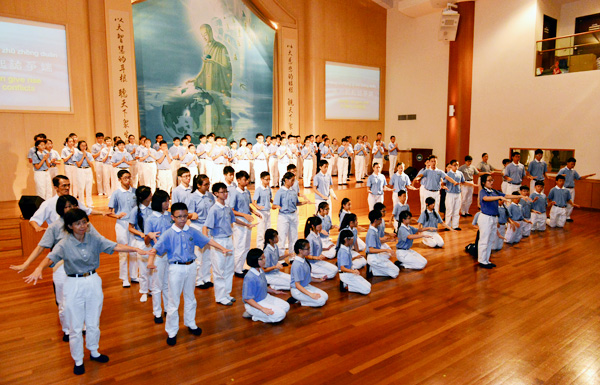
{"x":535,"y":319}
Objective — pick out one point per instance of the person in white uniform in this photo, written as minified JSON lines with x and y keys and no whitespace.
{"x":70,"y":170}
{"x":326,"y":226}
{"x":300,"y":284}
{"x":104,"y":158}
{"x":85,"y":177}
{"x":323,"y":185}
{"x":392,"y":149}
{"x":260,"y":305}
{"x":276,"y":278}
{"x":201,"y":200}
{"x":138,"y":218}
{"x":319,"y":265}
{"x":428,"y":222}
{"x":98,"y":165}
{"x":164,"y":178}
{"x":41,"y":164}
{"x":453,"y":196}
{"x":286,"y":201}
{"x":80,"y":251}
{"x":376,"y":185}
{"x":308,"y":156}
{"x":407,"y":258}
{"x":378,"y":257}
{"x":350,"y":278}
{"x":559,"y":199}
{"x":262,"y":200}
{"x":571,"y":175}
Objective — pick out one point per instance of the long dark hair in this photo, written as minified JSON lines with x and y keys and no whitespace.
{"x":350,"y":217}
{"x":198,"y":180}
{"x":270,"y":234}
{"x":311,"y":222}
{"x":430,"y":201}
{"x":344,"y":234}
{"x":344,"y":201}
{"x":159,"y":197}
{"x":141,"y":194}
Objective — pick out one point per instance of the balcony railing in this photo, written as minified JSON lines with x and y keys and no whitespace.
{"x":572,"y":53}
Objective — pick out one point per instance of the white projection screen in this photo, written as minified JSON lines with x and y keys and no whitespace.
{"x":34,"y":73}
{"x":351,"y":92}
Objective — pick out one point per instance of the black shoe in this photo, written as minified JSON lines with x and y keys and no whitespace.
{"x":369,"y":272}
{"x":196,"y":331}
{"x":65,"y":337}
{"x":83,"y":332}
{"x":239,"y":275}
{"x":486,"y":265}
{"x":135,"y":280}
{"x":171,"y":341}
{"x":468,"y":215}
{"x":165,"y":314}
{"x":210,"y":284}
{"x":158,"y":320}
{"x":493,"y":264}
{"x":203,"y":286}
{"x":569,"y":220}
{"x":458,"y":229}
{"x":79,"y":370}
{"x":397,"y":263}
{"x":285,"y":264}
{"x":292,"y":300}
{"x":343,"y":288}
{"x":102,"y":358}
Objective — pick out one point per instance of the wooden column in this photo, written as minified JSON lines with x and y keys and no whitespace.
{"x":460,"y":80}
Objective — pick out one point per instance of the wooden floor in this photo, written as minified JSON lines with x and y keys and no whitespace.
{"x":533,"y":320}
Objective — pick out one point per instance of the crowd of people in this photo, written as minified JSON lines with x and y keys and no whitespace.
{"x":197,"y":234}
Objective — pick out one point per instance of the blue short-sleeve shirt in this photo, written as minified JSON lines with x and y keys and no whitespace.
{"x":255,"y":285}
{"x":219,"y":220}
{"x":403,"y":232}
{"x":300,"y":273}
{"x":430,"y":219}
{"x":287,"y":199}
{"x":179,"y":243}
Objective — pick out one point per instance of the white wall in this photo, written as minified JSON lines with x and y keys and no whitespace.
{"x":513,"y":108}
{"x":570,"y":11}
{"x":417,"y":82}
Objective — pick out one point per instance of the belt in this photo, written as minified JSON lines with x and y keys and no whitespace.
{"x":148,"y":161}
{"x":562,"y":207}
{"x":490,"y":215}
{"x":516,"y":184}
{"x":432,"y":190}
{"x":83,"y":167}
{"x":182,"y":263}
{"x":569,"y":186}
{"x":41,"y":170}
{"x":83,"y":275}
{"x":359,"y":155}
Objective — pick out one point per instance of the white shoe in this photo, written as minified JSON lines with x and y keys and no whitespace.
{"x":126,"y":284}
{"x":144,"y":298}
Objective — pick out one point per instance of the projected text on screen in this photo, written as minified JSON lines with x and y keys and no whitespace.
{"x":351,"y":92}
{"x":34,"y":73}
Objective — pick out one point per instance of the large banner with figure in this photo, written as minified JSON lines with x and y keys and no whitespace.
{"x":203,"y":66}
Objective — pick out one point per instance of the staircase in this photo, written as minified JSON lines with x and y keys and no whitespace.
{"x":10,"y":238}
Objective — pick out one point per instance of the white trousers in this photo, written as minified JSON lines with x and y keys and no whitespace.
{"x":393,"y":159}
{"x":202,"y":167}
{"x":123,"y":237}
{"x":410,"y":259}
{"x":181,"y":279}
{"x":433,"y":194}
{"x":242,"y":237}
{"x":512,"y":188}
{"x":107,"y":179}
{"x":362,"y":246}
{"x":307,"y":172}
{"x":279,"y":280}
{"x":203,"y":265}
{"x":223,"y":268}
{"x":287,"y":227}
{"x":558,"y":216}
{"x":356,"y":283}
{"x":83,"y":304}
{"x":59,"y":277}
{"x":330,"y":253}
{"x":308,"y":301}
{"x":164,"y":181}
{"x":323,"y":269}
{"x":160,"y":285}
{"x":274,"y":171}
{"x":71,"y":173}
{"x":422,"y":197}
{"x":569,"y":207}
{"x":487,"y":227}
{"x":539,"y":221}
{"x":279,"y":307}
{"x":42,"y":184}
{"x":435,"y":240}
{"x":282,"y":168}
{"x":372,"y":199}
{"x":334,"y":163}
{"x":242,"y":165}
{"x":526,"y":228}
{"x":52,"y":172}
{"x":466,"y":193}
{"x":498,"y":242}
{"x":217,"y":173}
{"x":148,"y":175}
{"x":359,"y":167}
{"x":99,"y":167}
{"x":358,"y":263}
{"x":260,"y":165}
{"x":452,"y":209}
{"x":342,"y":169}
{"x":381,"y":266}
{"x":503,"y":187}
{"x":330,"y":167}
{"x":175,"y":164}
{"x":85,"y":179}
{"x":513,"y":235}
{"x":134,"y":169}
{"x":263,"y":224}
{"x":142,"y":264}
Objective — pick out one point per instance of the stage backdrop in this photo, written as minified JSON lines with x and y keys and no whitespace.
{"x":203,"y":66}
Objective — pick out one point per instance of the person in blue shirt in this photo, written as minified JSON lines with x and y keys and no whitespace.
{"x":504,"y":221}
{"x":326,"y":226}
{"x":514,"y":232}
{"x":200,"y":202}
{"x":240,"y":202}
{"x":178,"y":243}
{"x":262,"y":200}
{"x":301,"y":278}
{"x":157,"y":223}
{"x":383,"y":236}
{"x":164,"y":178}
{"x":319,"y":266}
{"x":376,"y":185}
{"x":323,"y":184}
{"x":453,"y":196}
{"x":392,"y":149}
{"x":183,"y":191}
{"x":260,"y":305}
{"x":137,"y":218}
{"x":121,"y":202}
{"x":40,"y":159}
{"x":570,"y":177}
{"x":80,"y":250}
{"x":344,"y":154}
{"x":432,"y":182}
{"x":525,"y":203}
{"x":407,"y":258}
{"x":276,"y":278}
{"x":219,"y":224}
{"x":538,"y":208}
{"x":400,"y":182}
{"x":399,"y":207}
{"x":488,"y":219}
{"x":327,"y":155}
{"x":514,"y":173}
{"x":350,"y":278}
{"x":85,"y":177}
{"x":308,"y":156}
{"x":429,"y":221}
{"x":537,"y":169}
{"x":286,"y":201}
{"x":378,"y":257}
{"x":559,"y":198}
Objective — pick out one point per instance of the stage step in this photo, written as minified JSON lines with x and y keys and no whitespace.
{"x":10,"y":238}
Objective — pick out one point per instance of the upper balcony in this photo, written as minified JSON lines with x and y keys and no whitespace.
{"x":572,"y":53}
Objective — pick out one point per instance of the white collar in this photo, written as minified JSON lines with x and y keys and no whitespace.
{"x":200,"y":193}
{"x":299,"y":259}
{"x":156,"y":214}
{"x":284,"y":188}
{"x":185,"y":188}
{"x":256,"y":271}
{"x":270,"y":246}
{"x":218,"y":204}
{"x":240,"y":190}
{"x":122,"y":189}
{"x":374,"y":228}
{"x":178,"y":230}
{"x":405,"y":226}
